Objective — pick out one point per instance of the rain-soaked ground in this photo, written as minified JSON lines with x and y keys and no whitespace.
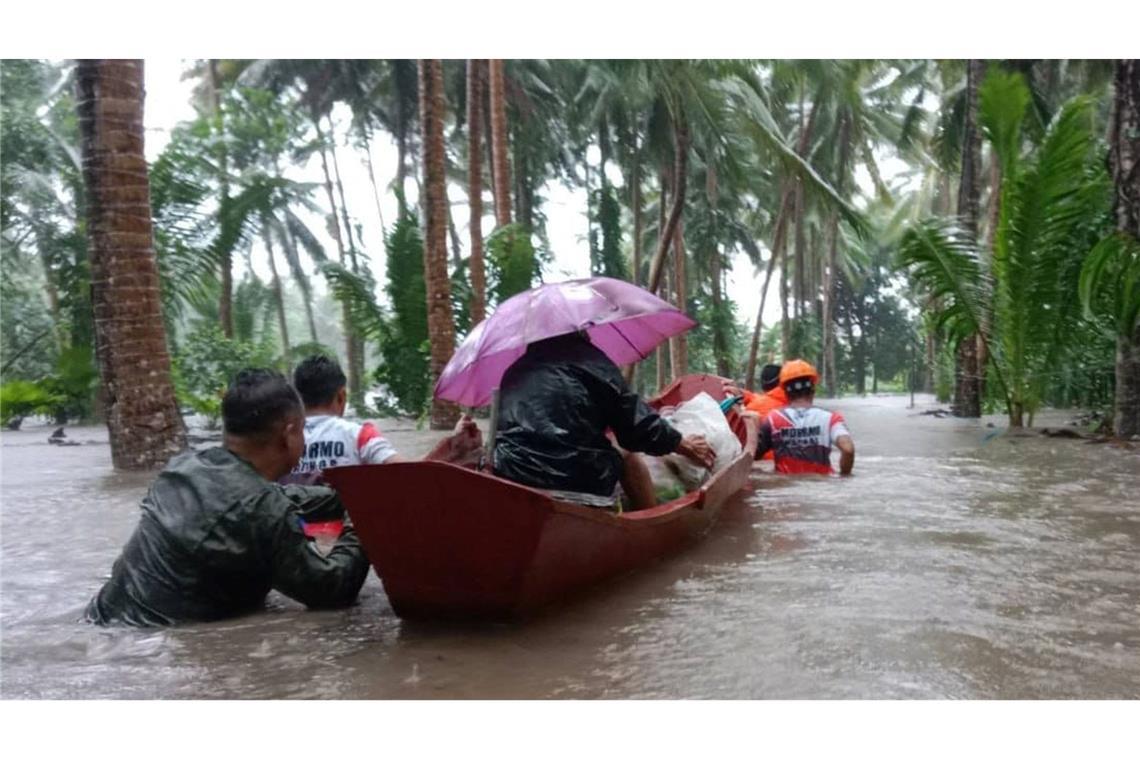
{"x":958,"y":563}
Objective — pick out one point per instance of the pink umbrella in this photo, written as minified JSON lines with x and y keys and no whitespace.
{"x":623,"y":320}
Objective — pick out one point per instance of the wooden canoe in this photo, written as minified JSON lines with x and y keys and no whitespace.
{"x":454,"y":543}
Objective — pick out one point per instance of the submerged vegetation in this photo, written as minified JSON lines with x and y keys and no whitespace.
{"x":968,"y":228}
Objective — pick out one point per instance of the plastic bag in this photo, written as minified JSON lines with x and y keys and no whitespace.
{"x":701,"y":415}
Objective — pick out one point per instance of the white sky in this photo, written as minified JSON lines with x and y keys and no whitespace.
{"x":168,"y":103}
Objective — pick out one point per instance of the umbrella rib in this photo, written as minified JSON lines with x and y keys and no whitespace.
{"x":627,"y":340}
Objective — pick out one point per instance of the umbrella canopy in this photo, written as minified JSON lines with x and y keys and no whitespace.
{"x":624,"y":321}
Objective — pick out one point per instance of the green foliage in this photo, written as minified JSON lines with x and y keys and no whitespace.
{"x":605,"y":256}
{"x":512,"y":265}
{"x":1110,"y":283}
{"x":22,"y":398}
{"x":1053,"y":210}
{"x":207,"y":361}
{"x":404,"y":345}
{"x":73,"y":384}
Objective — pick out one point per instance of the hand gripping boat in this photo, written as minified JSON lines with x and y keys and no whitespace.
{"x":454,"y":543}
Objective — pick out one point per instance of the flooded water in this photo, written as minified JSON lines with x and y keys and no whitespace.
{"x":956,"y":563}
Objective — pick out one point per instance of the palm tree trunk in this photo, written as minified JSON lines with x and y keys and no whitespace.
{"x":226,"y":299}
{"x":680,"y":344}
{"x":778,"y":236}
{"x":830,"y":268}
{"x":441,"y":328}
{"x":366,"y":137}
{"x":356,"y":353}
{"x":680,"y":169}
{"x":635,"y":205}
{"x":130,"y":340}
{"x":500,"y":167}
{"x":334,"y":225}
{"x":1124,"y":161}
{"x":475,"y":188}
{"x":278,"y":296}
{"x":799,"y":276}
{"x":967,"y":388}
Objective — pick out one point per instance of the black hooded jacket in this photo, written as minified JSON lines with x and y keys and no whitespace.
{"x":215,"y":536}
{"x":556,"y":403}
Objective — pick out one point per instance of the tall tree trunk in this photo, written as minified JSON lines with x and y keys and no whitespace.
{"x":356,"y":353}
{"x":334,"y":227}
{"x":475,"y":187}
{"x":967,"y":388}
{"x":441,"y":328}
{"x":366,"y":137}
{"x":785,"y":323}
{"x":226,"y":299}
{"x":635,"y":205}
{"x":827,"y":319}
{"x":800,"y":275}
{"x":778,"y":236}
{"x":1124,"y":160}
{"x":501,"y":167}
{"x":680,"y":343}
{"x":52,"y":291}
{"x":130,"y":339}
{"x":306,"y":294}
{"x":680,"y":169}
{"x":278,"y":295}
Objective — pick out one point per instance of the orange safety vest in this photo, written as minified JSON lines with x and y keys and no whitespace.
{"x":762,"y":403}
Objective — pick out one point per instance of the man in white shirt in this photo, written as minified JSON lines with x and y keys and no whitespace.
{"x":331,"y":440}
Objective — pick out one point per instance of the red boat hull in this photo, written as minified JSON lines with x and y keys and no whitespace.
{"x":454,"y":543}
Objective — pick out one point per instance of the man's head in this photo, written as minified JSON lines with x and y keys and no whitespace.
{"x":769,"y":377}
{"x":799,"y":379}
{"x":263,"y":421}
{"x":321,"y":383}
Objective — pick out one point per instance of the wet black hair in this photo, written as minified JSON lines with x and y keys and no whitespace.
{"x":257,"y":401}
{"x":318,"y":379}
{"x":770,"y":376}
{"x":801,"y":387}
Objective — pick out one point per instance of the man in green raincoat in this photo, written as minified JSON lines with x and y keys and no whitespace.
{"x":217,"y":533}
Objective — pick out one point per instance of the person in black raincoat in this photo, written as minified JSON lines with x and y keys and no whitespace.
{"x":216,"y":533}
{"x":556,"y":403}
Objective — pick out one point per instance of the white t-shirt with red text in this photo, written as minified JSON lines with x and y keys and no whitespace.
{"x":801,"y":438}
{"x":332,"y":441}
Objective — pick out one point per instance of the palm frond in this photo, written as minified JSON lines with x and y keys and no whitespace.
{"x":357,"y":292}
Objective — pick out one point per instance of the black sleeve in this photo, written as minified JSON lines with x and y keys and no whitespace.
{"x":764,"y":440}
{"x":637,"y":427}
{"x":299,"y":570}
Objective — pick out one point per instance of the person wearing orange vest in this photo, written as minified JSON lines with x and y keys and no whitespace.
{"x":801,"y":434}
{"x":772,"y":396}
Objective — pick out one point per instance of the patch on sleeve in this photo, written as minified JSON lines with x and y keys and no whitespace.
{"x":368,"y":432}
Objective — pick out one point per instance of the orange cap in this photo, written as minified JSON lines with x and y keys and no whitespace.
{"x":796,"y":369}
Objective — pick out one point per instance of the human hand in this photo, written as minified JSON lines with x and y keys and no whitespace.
{"x":467,"y":435}
{"x":466,"y":425}
{"x":731,"y":389}
{"x":697,"y":448}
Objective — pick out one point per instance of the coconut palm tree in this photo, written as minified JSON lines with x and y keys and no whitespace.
{"x":441,"y":327}
{"x":142,"y":416}
{"x":1051,"y":216}
{"x":475,"y":82}
{"x":1110,"y":279}
{"x":500,"y":161}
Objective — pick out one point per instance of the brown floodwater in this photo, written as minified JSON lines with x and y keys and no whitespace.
{"x":959,"y":562}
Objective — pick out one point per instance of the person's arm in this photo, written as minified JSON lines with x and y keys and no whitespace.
{"x":843,"y":441}
{"x":846,"y":448}
{"x":373,"y":447}
{"x":456,"y":448}
{"x":298,"y":569}
{"x":764,"y":439}
{"x":635,"y":425}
